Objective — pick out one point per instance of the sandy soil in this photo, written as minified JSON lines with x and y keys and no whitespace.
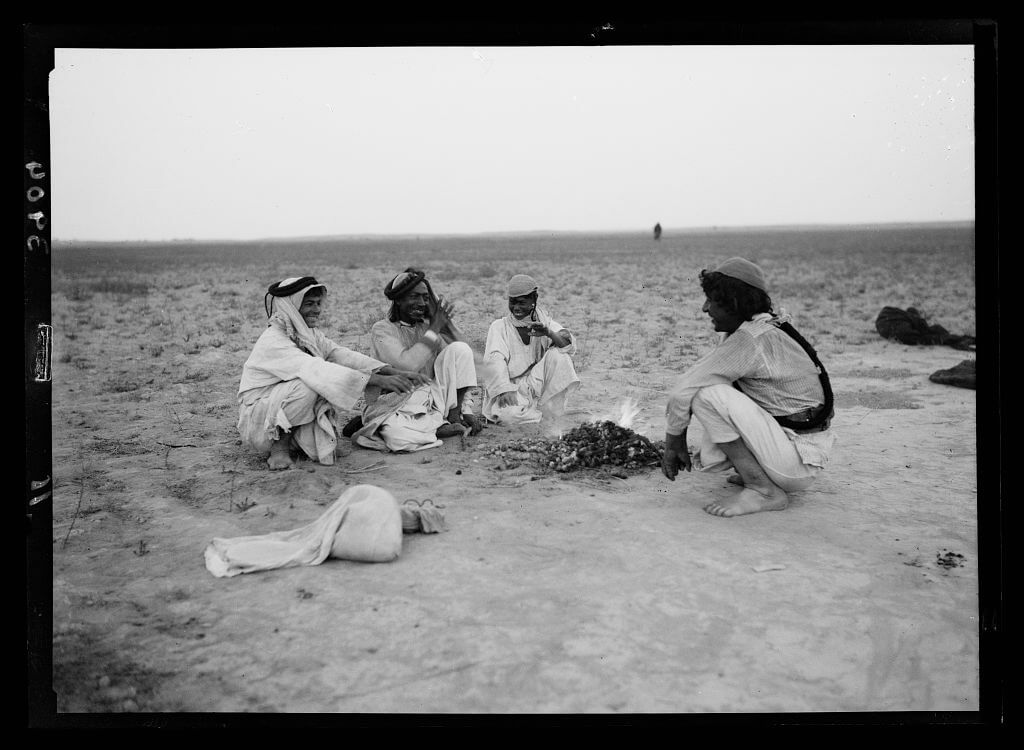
{"x":550,"y":593}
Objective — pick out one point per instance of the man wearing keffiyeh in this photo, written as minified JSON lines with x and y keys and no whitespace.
{"x":419,"y":335}
{"x":296,"y":378}
{"x":762,"y":397}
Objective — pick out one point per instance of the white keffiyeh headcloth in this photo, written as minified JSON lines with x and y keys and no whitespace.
{"x":282,"y":302}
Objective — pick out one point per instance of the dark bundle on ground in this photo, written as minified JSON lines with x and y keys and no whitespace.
{"x":590,"y":445}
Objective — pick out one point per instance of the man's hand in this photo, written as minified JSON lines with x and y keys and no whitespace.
{"x":393,"y":383}
{"x":676,"y":456}
{"x":441,"y":313}
{"x":507,"y":399}
{"x":417,"y":378}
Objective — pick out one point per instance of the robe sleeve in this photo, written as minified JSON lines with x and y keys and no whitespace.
{"x":554,"y":325}
{"x":276,"y":358}
{"x":496,"y":356}
{"x":734,"y":358}
{"x":346,"y":357}
{"x":389,"y":347}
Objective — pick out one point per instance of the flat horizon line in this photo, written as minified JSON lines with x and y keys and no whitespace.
{"x":525,"y":233}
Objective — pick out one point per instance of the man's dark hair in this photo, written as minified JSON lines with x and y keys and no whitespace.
{"x":738,"y":297}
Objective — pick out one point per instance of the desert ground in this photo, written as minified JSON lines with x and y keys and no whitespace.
{"x":550,"y":593}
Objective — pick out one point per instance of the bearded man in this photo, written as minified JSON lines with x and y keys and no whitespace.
{"x":418,"y":335}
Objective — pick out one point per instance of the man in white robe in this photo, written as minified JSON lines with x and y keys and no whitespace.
{"x":419,"y":335}
{"x":296,"y":379}
{"x":529,"y":372}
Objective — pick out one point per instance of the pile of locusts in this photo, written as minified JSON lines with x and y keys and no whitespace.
{"x":592,"y":444}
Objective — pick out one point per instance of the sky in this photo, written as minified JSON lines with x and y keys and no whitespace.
{"x":241,"y":144}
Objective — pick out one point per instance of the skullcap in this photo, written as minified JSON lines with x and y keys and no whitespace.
{"x":520,"y":285}
{"x":744,"y":270}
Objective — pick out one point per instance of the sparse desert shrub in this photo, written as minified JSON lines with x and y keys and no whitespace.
{"x":78,"y":293}
{"x":121,"y":385}
{"x":584,"y":351}
{"x":120,"y":287}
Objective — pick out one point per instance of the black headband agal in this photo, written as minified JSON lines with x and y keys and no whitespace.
{"x":415,"y":277}
{"x":277,"y":290}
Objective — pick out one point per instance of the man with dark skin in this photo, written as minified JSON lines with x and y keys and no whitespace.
{"x":416,"y":308}
{"x":528,"y":373}
{"x":419,"y":335}
{"x":762,"y":397}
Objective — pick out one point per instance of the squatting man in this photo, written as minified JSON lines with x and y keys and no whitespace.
{"x":761,"y":396}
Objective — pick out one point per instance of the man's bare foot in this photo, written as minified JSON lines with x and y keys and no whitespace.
{"x":748,"y":501}
{"x":473,"y":422}
{"x":280,"y":456}
{"x":735,"y":479}
{"x":450,"y":430}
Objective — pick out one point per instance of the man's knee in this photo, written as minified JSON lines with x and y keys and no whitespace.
{"x":458,"y":350}
{"x":714,"y":396}
{"x":298,"y":402}
{"x":557,"y":355}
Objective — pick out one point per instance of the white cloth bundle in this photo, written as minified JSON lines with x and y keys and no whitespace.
{"x":364,"y":524}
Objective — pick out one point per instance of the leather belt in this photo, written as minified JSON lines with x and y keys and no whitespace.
{"x":805,"y":415}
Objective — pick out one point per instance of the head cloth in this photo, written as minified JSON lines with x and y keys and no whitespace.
{"x":288,"y":287}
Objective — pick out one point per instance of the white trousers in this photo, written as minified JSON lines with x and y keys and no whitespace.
{"x":543,"y":391}
{"x":414,"y":426}
{"x":290,"y":407}
{"x":726,"y":414}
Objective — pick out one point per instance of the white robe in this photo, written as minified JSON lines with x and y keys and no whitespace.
{"x":336,"y":374}
{"x":406,"y":422}
{"x":541,"y":375}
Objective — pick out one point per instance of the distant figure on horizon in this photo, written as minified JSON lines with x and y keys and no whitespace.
{"x":657,"y":231}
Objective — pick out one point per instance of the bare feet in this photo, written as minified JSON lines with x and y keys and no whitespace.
{"x":450,"y":430}
{"x":747,"y":501}
{"x":462,"y":420}
{"x":473,"y":422}
{"x":280,"y":455}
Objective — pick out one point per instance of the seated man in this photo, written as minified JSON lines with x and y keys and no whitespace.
{"x":295,"y":378}
{"x":761,"y":395}
{"x":529,"y":373}
{"x":418,"y":335}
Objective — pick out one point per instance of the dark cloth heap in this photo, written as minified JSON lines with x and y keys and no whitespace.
{"x":963,"y":375}
{"x":908,"y":327}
